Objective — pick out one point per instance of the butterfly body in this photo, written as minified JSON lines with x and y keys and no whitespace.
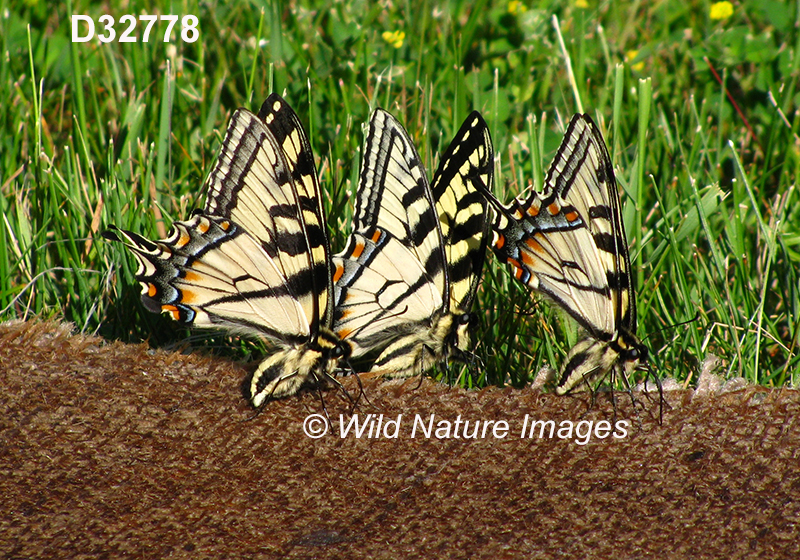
{"x":592,"y":359}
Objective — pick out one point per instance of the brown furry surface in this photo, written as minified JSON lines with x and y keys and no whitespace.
{"x":112,"y":450}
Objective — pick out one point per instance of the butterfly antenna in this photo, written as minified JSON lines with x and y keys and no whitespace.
{"x":475,"y":363}
{"x":256,"y":413}
{"x":421,"y":368}
{"x":343,"y":390}
{"x":628,"y":389}
{"x":651,"y":371}
{"x":361,"y":392}
{"x":661,"y":400}
{"x":595,"y":390}
{"x":421,"y":363}
{"x":470,"y":362}
{"x":674,"y":326}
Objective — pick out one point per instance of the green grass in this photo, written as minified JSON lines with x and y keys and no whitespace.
{"x":95,"y":134}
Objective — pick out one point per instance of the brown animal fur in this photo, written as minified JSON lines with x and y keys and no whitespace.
{"x":113,"y":450}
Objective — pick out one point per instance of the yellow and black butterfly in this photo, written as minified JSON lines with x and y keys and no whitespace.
{"x":569,"y":243}
{"x":405,"y":282}
{"x":256,"y":260}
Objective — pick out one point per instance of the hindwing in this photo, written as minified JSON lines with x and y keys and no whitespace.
{"x":255,"y":260}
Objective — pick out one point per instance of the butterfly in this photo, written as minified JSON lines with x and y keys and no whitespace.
{"x":256,"y":259}
{"x":569,"y":243}
{"x":405,"y":282}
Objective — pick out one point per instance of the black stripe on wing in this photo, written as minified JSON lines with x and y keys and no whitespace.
{"x":600,"y":195}
{"x":285,"y":125}
{"x":394,"y":194}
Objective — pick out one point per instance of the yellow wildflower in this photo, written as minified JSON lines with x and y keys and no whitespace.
{"x":721,"y":10}
{"x":581,"y":4}
{"x":631,"y":55}
{"x":394,"y":38}
{"x":516,"y":7}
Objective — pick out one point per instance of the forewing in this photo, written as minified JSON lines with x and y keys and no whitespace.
{"x":582,"y":177}
{"x":265,"y":182}
{"x":466,"y":167}
{"x":568,"y":241}
{"x":285,"y":125}
{"x":394,"y":196}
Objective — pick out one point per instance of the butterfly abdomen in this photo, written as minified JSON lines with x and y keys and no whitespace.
{"x":447,"y":338}
{"x":287,"y":371}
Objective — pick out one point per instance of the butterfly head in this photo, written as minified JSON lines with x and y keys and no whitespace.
{"x":637,"y":354}
{"x":465,"y":324}
{"x":632,"y":353}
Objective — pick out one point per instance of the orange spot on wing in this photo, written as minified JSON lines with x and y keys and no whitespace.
{"x":172,"y":310}
{"x":344,"y":333}
{"x":188,"y":296}
{"x":533,"y":244}
{"x":533,"y":210}
{"x":527,"y":258}
{"x":184,"y":239}
{"x":501,"y":241}
{"x":571,"y":216}
{"x":359,"y":248}
{"x":376,"y":236}
{"x":152,"y":290}
{"x":554,"y":208}
{"x":338,"y":273}
{"x":193,"y":276}
{"x":202,"y":226}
